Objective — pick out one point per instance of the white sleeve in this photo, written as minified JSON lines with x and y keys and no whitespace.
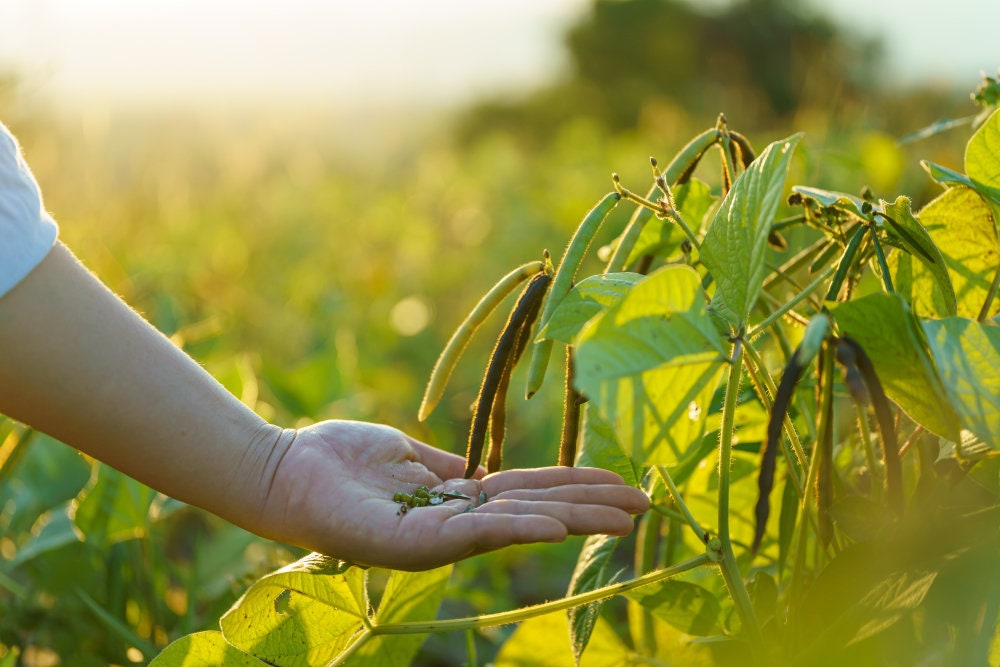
{"x":27,"y":231}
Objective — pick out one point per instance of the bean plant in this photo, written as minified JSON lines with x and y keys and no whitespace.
{"x":806,"y":384}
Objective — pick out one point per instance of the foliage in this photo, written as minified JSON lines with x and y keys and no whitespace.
{"x":885,"y":546}
{"x":231,"y":222}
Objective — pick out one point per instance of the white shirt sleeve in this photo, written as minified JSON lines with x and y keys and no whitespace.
{"x":27,"y":231}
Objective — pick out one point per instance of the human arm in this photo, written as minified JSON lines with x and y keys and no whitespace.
{"x":76,"y":362}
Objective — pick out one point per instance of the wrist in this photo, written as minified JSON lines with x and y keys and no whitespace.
{"x":256,"y":470}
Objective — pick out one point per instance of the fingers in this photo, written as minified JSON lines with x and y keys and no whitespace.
{"x":578,"y":518}
{"x":480,"y":532}
{"x":620,"y":496}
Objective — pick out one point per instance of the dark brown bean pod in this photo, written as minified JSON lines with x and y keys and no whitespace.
{"x":529,"y":300}
{"x":498,"y":412}
{"x":571,"y":415}
{"x":746,"y":148}
{"x":765,"y":480}
{"x":886,"y":425}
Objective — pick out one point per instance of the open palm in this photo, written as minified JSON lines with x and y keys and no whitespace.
{"x":333,"y":493}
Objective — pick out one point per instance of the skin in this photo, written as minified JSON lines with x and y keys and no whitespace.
{"x":77,"y":363}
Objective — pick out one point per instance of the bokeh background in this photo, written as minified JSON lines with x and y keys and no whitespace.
{"x":308,"y":196}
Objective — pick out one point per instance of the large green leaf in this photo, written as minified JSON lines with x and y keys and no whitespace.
{"x":735,"y":246}
{"x":113,"y":507}
{"x":884,"y":326}
{"x":204,"y":648}
{"x":304,"y":614}
{"x":982,"y":158}
{"x":967,"y":354}
{"x":587,"y":299}
{"x":593,"y":570}
{"x":686,"y":606}
{"x":961,"y":224}
{"x":912,"y":236}
{"x":409,"y":596}
{"x":538,"y":642}
{"x":827,"y":198}
{"x":650,"y":364}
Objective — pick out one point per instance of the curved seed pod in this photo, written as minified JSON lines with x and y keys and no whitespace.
{"x":452,"y":351}
{"x":746,"y":148}
{"x":816,"y":331}
{"x":499,"y":360}
{"x":571,"y":415}
{"x":629,"y":237}
{"x":562,"y":283}
{"x":886,"y":425}
{"x":498,"y":412}
{"x":846,"y":260}
{"x":683,"y":165}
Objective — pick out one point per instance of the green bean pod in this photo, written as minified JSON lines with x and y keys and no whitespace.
{"x":683,"y":165}
{"x":452,"y":351}
{"x":506,"y":345}
{"x":745,"y":147}
{"x":498,"y":413}
{"x":571,"y":415}
{"x":562,"y":283}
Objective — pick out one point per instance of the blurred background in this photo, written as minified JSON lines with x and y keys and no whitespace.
{"x":308,"y":197}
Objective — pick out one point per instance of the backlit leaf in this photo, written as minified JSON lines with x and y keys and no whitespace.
{"x":593,"y":570}
{"x":538,"y":642}
{"x":204,"y":648}
{"x":113,"y":507}
{"x":650,"y":365}
{"x":686,"y":606}
{"x":920,"y":245}
{"x":961,"y":224}
{"x":587,"y":299}
{"x":982,"y":158}
{"x":967,"y":354}
{"x":884,"y":326}
{"x":735,"y":246}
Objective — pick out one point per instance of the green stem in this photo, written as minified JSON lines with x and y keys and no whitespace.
{"x":991,"y":294}
{"x":360,"y":640}
{"x":794,"y":301}
{"x":518,"y":615}
{"x":730,"y":569}
{"x":698,"y":530}
{"x":470,"y":646}
{"x":874,"y":470}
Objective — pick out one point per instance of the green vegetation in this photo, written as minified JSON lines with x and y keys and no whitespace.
{"x":314,"y":290}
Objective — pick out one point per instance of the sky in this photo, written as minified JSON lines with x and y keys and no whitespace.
{"x":372,"y":52}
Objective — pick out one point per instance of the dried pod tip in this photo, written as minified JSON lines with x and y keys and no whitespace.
{"x":795,"y":199}
{"x":721,"y":123}
{"x":661,"y":182}
{"x":866,"y":208}
{"x":614,"y":177}
{"x":867,"y":194}
{"x":652,"y":161}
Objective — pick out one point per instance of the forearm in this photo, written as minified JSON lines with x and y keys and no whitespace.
{"x":80,"y":365}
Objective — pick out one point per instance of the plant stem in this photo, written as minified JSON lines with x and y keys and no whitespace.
{"x":524,"y":613}
{"x":777,"y":314}
{"x":991,"y":294}
{"x":360,"y":640}
{"x":730,"y":570}
{"x":662,"y":470}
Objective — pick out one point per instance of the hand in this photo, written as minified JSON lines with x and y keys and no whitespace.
{"x":333,"y":492}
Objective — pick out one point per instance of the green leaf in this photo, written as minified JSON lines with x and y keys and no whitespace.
{"x":944,"y":175}
{"x":203,"y":648}
{"x":112,"y":507}
{"x":409,"y":596}
{"x":600,"y":448}
{"x":827,"y":198}
{"x":913,"y":236}
{"x":686,"y":606}
{"x":650,"y":365}
{"x":860,"y":517}
{"x":588,"y":298}
{"x":536,"y":643}
{"x":961,"y":224}
{"x":592,"y":572}
{"x":662,"y":237}
{"x":884,"y":326}
{"x":982,"y":158}
{"x":58,"y":532}
{"x":310,"y":625}
{"x":967,"y":354}
{"x":735,"y":246}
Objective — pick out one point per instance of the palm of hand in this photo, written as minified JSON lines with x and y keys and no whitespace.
{"x":333,"y":493}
